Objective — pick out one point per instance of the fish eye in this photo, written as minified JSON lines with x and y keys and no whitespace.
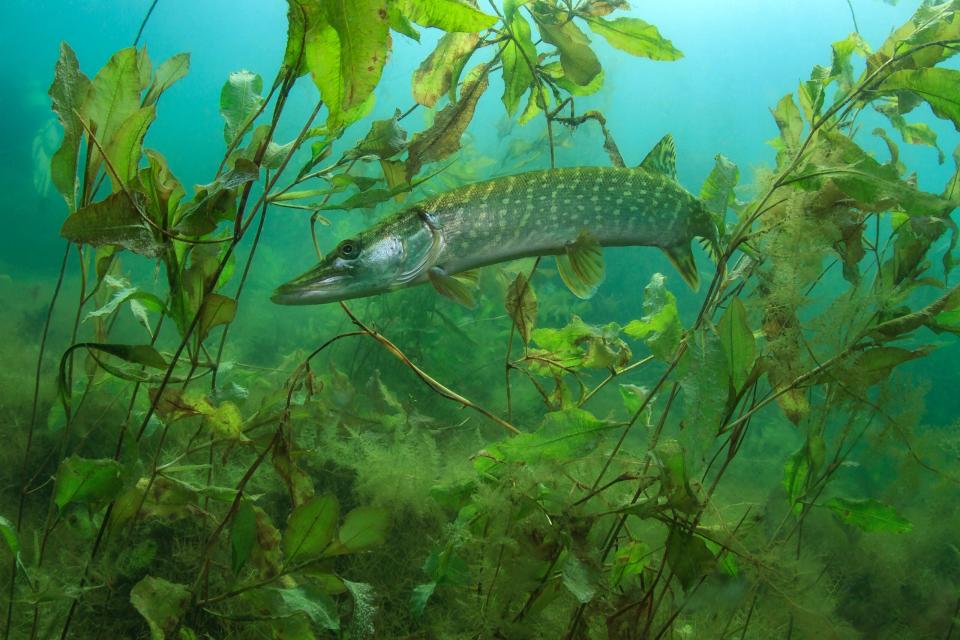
{"x":348,"y":249}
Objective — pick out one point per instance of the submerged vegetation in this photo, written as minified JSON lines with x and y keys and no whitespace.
{"x":724,"y":473}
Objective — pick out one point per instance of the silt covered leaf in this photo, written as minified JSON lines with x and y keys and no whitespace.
{"x":86,"y":481}
{"x":435,"y":75}
{"x":521,"y":305}
{"x":113,"y":221}
{"x":161,"y":603}
{"x":68,"y":93}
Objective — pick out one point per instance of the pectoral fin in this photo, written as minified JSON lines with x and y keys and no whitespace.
{"x":458,"y":288}
{"x":681,"y":257}
{"x":581,"y":265}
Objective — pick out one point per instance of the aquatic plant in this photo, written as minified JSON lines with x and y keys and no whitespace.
{"x":191,"y":496}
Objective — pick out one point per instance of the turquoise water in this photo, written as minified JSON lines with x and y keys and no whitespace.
{"x":831,"y":517}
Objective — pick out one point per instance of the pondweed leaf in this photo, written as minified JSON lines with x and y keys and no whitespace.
{"x":630,"y":560}
{"x":169,"y":72}
{"x":385,"y":139}
{"x":717,"y":191}
{"x":125,"y":149}
{"x":579,"y":578}
{"x":635,"y":36}
{"x":519,"y":58}
{"x":8,"y":532}
{"x":364,"y":35}
{"x":115,"y":220}
{"x":311,"y":602}
{"x":938,"y":87}
{"x":310,"y":529}
{"x":580,"y":64}
{"x":688,"y":557}
{"x":239,"y":100}
{"x":435,"y":75}
{"x":86,"y":481}
{"x":68,"y":93}
{"x":869,"y":515}
{"x":449,"y":15}
{"x":420,"y":596}
{"x":161,"y":603}
{"x":362,"y":529}
{"x":739,"y":345}
{"x":521,"y":305}
{"x":660,"y":328}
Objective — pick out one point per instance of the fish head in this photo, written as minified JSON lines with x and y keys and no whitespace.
{"x":385,"y":257}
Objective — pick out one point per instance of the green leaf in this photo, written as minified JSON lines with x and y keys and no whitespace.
{"x":688,"y":557}
{"x":796,"y":473}
{"x":161,"y":603}
{"x":311,"y":529}
{"x":579,"y":345}
{"x":364,"y":35}
{"x":217,"y":310}
{"x":385,"y":139}
{"x":362,"y":529}
{"x":361,"y":622}
{"x":636,"y":37}
{"x":633,"y":397}
{"x":563,"y":436}
{"x":521,"y":305}
{"x":135,"y":354}
{"x":717,"y":192}
{"x":311,"y":602}
{"x":630,"y":560}
{"x":660,"y":328}
{"x":435,"y":75}
{"x":68,"y":93}
{"x":8,"y":532}
{"x":580,"y":64}
{"x":400,"y":23}
{"x":239,"y":100}
{"x":674,"y":480}
{"x":519,"y":58}
{"x":125,"y":149}
{"x":579,"y":579}
{"x":113,"y":97}
{"x":790,"y":123}
{"x":705,"y":381}
{"x":449,"y":15}
{"x":938,"y":87}
{"x":113,"y":221}
{"x":169,"y":72}
{"x":555,"y":71}
{"x":739,"y":345}
{"x":443,"y":138}
{"x":420,"y":596}
{"x":86,"y":481}
{"x":875,"y":365}
{"x":869,"y":515}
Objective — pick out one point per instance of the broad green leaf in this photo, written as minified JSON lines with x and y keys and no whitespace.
{"x":938,"y":87}
{"x":580,"y":64}
{"x":705,"y":381}
{"x":217,"y":310}
{"x":362,"y":529}
{"x":215,"y":201}
{"x":239,"y":100}
{"x":311,"y":529}
{"x":790,"y":123}
{"x":519,"y":59}
{"x":916,"y":133}
{"x":510,"y":7}
{"x":563,"y":436}
{"x":361,"y":622}
{"x":796,"y":474}
{"x":113,"y":221}
{"x":630,"y":560}
{"x":555,"y":71}
{"x":420,"y":596}
{"x":660,"y":328}
{"x":869,"y":515}
{"x":876,"y":365}
{"x":8,"y":532}
{"x":717,"y":191}
{"x":933,"y":22}
{"x":310,"y":601}
{"x":170,"y":71}
{"x":688,"y":557}
{"x":303,"y":18}
{"x":144,"y":355}
{"x":86,"y":481}
{"x":443,"y":138}
{"x":739,"y":345}
{"x":633,"y":397}
{"x":400,"y":23}
{"x":674,"y":480}
{"x":435,"y":75}
{"x":521,"y":305}
{"x":364,"y":35}
{"x":579,"y":345}
{"x":125,"y":149}
{"x":449,"y":15}
{"x":579,"y":579}
{"x":68,"y":93}
{"x":162,"y":604}
{"x":113,"y":97}
{"x":385,"y":139}
{"x":322,"y":58}
{"x":635,"y":36}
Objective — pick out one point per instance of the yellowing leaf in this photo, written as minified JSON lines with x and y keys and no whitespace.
{"x":449,"y":15}
{"x":636,"y":37}
{"x":521,"y":305}
{"x":433,"y":77}
{"x":519,"y":60}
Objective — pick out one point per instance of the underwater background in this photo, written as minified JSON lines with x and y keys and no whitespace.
{"x":230,"y":513}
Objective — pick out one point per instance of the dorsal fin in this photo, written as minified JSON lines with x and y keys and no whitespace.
{"x":662,"y":158}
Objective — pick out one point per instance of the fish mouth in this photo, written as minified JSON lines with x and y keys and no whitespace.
{"x":311,"y":289}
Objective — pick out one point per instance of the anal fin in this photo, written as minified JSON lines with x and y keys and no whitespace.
{"x":458,"y":288}
{"x":581,"y":265}
{"x":681,"y":256}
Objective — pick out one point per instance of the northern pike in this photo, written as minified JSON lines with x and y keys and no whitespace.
{"x":569,"y":213}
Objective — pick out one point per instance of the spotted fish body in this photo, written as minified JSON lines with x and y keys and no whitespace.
{"x":542,"y":212}
{"x":565,"y":212}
